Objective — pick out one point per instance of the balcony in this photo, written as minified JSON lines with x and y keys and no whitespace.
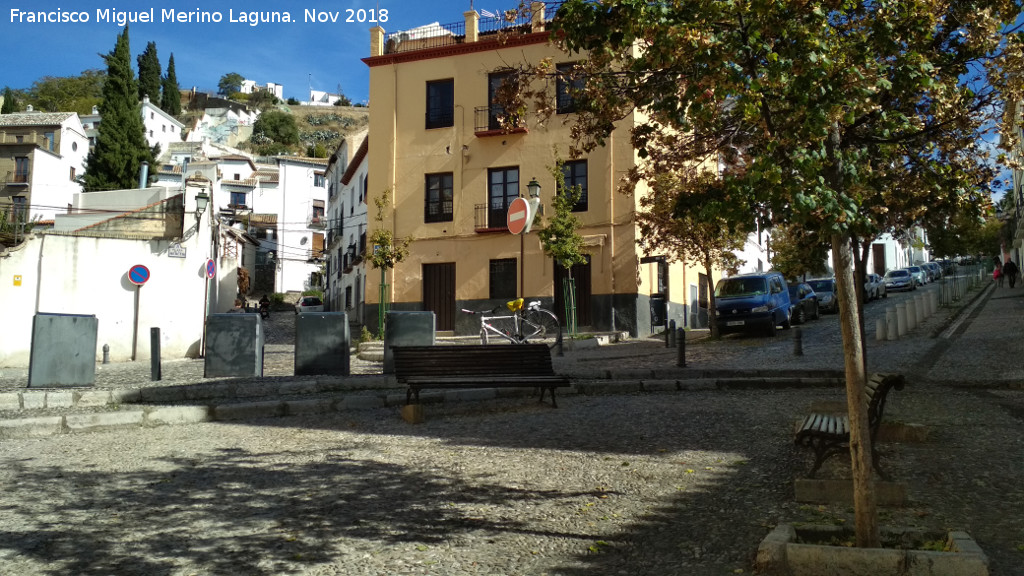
{"x":487,"y":219}
{"x":487,"y":122}
{"x":17,"y":178}
{"x":316,"y":221}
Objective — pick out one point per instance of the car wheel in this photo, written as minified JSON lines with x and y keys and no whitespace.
{"x":801,"y":315}
{"x":771,"y":329}
{"x":817,"y":312}
{"x":788,"y":322}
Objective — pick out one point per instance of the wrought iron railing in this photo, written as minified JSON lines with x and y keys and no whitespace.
{"x":439,"y":35}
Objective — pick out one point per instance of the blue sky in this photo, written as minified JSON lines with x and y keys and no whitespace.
{"x":296,"y":55}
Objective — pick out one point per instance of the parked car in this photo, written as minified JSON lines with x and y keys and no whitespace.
{"x":899,"y":279}
{"x":874,"y":287}
{"x":804,"y":303}
{"x":309,"y":304}
{"x":920,"y":276}
{"x":752,"y":302}
{"x":935,"y":268}
{"x":825,"y":288}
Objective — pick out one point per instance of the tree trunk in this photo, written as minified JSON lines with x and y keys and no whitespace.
{"x":712,"y":308}
{"x":865,"y":506}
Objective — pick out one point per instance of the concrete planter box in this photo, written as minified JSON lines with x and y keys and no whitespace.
{"x":813,"y":550}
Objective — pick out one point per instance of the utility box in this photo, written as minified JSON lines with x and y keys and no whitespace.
{"x":63,"y":350}
{"x":322,"y":344}
{"x":234,"y":345}
{"x":406,"y":329}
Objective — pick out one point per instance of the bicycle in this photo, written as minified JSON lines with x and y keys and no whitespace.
{"x":525,"y":324}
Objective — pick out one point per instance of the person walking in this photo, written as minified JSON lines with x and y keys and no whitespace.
{"x":997,"y":273}
{"x":1010,"y":270}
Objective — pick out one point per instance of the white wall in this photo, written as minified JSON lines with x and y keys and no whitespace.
{"x":79,"y":275}
{"x":297,"y":192}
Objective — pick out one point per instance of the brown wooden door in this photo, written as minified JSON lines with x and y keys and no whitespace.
{"x":878,"y":258}
{"x":439,"y":293}
{"x":581,"y":274}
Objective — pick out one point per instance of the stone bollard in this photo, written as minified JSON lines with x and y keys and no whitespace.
{"x":106,"y":353}
{"x":933,"y":302}
{"x":880,"y":330}
{"x":890,"y":324}
{"x":911,"y":315}
{"x":681,"y":339}
{"x":922,"y":310}
{"x":901,"y":319}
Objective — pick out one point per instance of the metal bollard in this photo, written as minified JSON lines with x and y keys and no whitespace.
{"x":890,"y":324}
{"x":155,"y":372}
{"x":901,"y":320}
{"x":672,"y":333}
{"x":681,"y":339}
{"x":798,"y":342}
{"x":106,"y":353}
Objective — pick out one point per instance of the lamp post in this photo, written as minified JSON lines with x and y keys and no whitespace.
{"x":202,"y":200}
{"x":533,"y":190}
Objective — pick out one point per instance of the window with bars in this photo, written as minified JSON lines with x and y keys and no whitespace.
{"x":503,"y":278}
{"x":567,"y":87}
{"x":439,"y":203}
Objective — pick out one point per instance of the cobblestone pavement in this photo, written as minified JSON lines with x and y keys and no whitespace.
{"x":655,"y":483}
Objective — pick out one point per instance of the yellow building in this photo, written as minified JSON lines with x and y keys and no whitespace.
{"x":450,"y":174}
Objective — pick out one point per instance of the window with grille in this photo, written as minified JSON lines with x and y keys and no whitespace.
{"x":503,"y":188}
{"x":567,"y":88}
{"x":503,"y":278}
{"x":440,"y":103}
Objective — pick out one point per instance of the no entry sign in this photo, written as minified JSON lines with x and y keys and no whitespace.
{"x":518,"y":215}
{"x":138,"y":274}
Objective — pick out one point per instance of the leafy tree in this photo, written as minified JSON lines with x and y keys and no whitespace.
{"x":121,"y":145}
{"x":686,"y":236}
{"x":292,"y":102}
{"x":560,"y":238}
{"x":149,"y":74}
{"x":170,"y":98}
{"x":837,"y":117}
{"x":230,"y":82}
{"x":278,"y":126}
{"x":797,"y":251}
{"x":10,"y":105}
{"x":67,"y":94}
{"x":261,"y":99}
{"x":384,"y":252}
{"x":317,"y":151}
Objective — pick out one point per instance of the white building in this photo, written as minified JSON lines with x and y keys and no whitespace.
{"x":321,"y":98}
{"x":161,"y":127}
{"x":302,"y":220}
{"x":250,"y":86}
{"x":347,"y":221}
{"x":41,"y":157}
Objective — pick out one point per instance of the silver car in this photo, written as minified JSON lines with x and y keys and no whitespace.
{"x":919,"y":275}
{"x":825,"y":288}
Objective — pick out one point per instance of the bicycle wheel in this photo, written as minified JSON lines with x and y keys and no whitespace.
{"x":542,"y":325}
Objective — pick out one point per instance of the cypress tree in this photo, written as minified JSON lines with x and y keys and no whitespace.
{"x":170,"y":100}
{"x":10,"y":106}
{"x":121,"y":145}
{"x":149,"y":74}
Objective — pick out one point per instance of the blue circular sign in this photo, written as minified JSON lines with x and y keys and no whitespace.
{"x":138,"y":274}
{"x":211,"y":268}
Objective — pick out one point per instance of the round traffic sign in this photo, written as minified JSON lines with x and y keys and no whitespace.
{"x":518,"y":215}
{"x":211,"y":268}
{"x":138,"y":274}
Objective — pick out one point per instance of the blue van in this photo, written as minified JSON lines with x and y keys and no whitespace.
{"x":752,"y":303}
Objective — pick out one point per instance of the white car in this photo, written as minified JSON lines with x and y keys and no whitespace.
{"x":309,"y":304}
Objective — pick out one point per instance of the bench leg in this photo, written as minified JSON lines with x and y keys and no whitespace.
{"x":554,"y":403}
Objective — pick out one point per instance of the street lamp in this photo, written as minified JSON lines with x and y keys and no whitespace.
{"x":533,"y":188}
{"x":202,"y":199}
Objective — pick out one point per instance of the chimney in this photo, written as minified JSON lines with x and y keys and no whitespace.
{"x":29,"y":108}
{"x":144,"y":175}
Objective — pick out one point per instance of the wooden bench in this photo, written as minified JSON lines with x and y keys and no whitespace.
{"x":476,"y":366}
{"x":829,"y":434}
